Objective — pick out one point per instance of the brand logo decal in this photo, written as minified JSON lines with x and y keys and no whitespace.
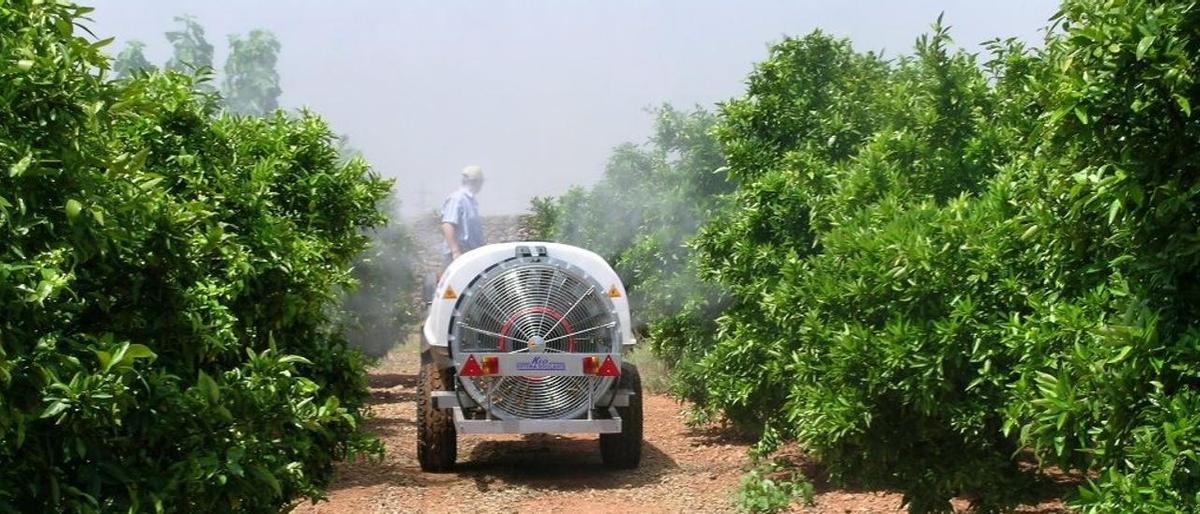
{"x":541,"y":364}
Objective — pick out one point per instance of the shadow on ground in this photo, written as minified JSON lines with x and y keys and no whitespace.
{"x":539,"y":462}
{"x":1041,"y":492}
{"x":547,"y":462}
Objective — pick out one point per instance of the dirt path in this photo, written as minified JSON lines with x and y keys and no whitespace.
{"x":683,"y":469}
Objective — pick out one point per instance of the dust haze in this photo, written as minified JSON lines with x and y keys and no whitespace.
{"x":540,"y":92}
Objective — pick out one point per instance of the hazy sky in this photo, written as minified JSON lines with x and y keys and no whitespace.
{"x":536,"y":92}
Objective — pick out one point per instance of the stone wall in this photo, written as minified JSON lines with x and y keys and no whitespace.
{"x":426,"y":232}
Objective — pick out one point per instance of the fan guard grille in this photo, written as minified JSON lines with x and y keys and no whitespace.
{"x":534,"y":304}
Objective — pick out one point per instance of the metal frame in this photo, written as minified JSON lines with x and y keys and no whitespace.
{"x":450,"y":400}
{"x":537,"y":426}
{"x":529,"y":364}
{"x":446,"y":400}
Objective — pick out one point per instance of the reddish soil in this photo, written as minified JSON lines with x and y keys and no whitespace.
{"x":683,"y":469}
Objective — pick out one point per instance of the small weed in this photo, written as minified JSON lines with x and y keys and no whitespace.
{"x":773,"y":487}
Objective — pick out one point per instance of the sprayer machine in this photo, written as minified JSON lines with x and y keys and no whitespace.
{"x":527,"y":338}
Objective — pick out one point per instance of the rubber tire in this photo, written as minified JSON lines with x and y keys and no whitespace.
{"x":624,"y":450}
{"x":437,"y":442}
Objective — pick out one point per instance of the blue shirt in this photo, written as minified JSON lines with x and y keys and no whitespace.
{"x":461,"y":210}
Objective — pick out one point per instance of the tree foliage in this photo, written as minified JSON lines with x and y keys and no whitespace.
{"x":935,"y":264}
{"x":131,"y":60}
{"x":251,"y":84}
{"x":938,"y":262}
{"x":852,"y":332}
{"x":192,"y":51}
{"x":167,"y":276}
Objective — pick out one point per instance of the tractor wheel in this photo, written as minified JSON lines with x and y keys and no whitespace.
{"x":624,"y":450}
{"x":437,"y":443}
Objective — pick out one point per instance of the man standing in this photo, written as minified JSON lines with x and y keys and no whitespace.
{"x":462,"y":227}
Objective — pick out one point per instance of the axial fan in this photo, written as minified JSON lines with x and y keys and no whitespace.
{"x":528,"y":338}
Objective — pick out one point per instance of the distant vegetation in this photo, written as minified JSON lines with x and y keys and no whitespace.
{"x":931,"y":264}
{"x":251,"y":82}
{"x":379,"y":309}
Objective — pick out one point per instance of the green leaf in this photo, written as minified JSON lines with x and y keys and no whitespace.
{"x":1121,"y":355}
{"x":18,"y":168}
{"x":1184,"y":104}
{"x":55,"y":408}
{"x":103,"y":42}
{"x":209,"y":387}
{"x":150,"y":184}
{"x":1113,"y":209}
{"x":1030,"y":232}
{"x":289,"y":359}
{"x":137,"y":351}
{"x":1143,"y":45}
{"x":119,"y":356}
{"x":105,"y":359}
{"x":266,"y":476}
{"x":1079,"y":113}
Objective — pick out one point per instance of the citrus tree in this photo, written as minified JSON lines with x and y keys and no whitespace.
{"x":939,"y":263}
{"x":251,"y":84}
{"x":167,"y":276}
{"x":192,"y":52}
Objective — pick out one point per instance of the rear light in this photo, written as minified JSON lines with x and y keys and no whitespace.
{"x":473,"y":368}
{"x":491,"y":365}
{"x":593,"y":366}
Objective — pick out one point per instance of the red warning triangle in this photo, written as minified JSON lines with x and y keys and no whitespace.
{"x":609,"y":368}
{"x":471,"y":368}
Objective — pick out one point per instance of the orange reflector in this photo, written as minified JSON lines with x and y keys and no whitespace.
{"x":613,"y":292}
{"x":593,"y":366}
{"x":609,"y":368}
{"x":590,"y":365}
{"x":471,"y":368}
{"x":449,"y":294}
{"x":491,"y":365}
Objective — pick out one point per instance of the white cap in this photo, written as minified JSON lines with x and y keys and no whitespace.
{"x":472,"y":172}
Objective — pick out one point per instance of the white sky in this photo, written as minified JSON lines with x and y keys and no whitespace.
{"x":537,"y":92}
